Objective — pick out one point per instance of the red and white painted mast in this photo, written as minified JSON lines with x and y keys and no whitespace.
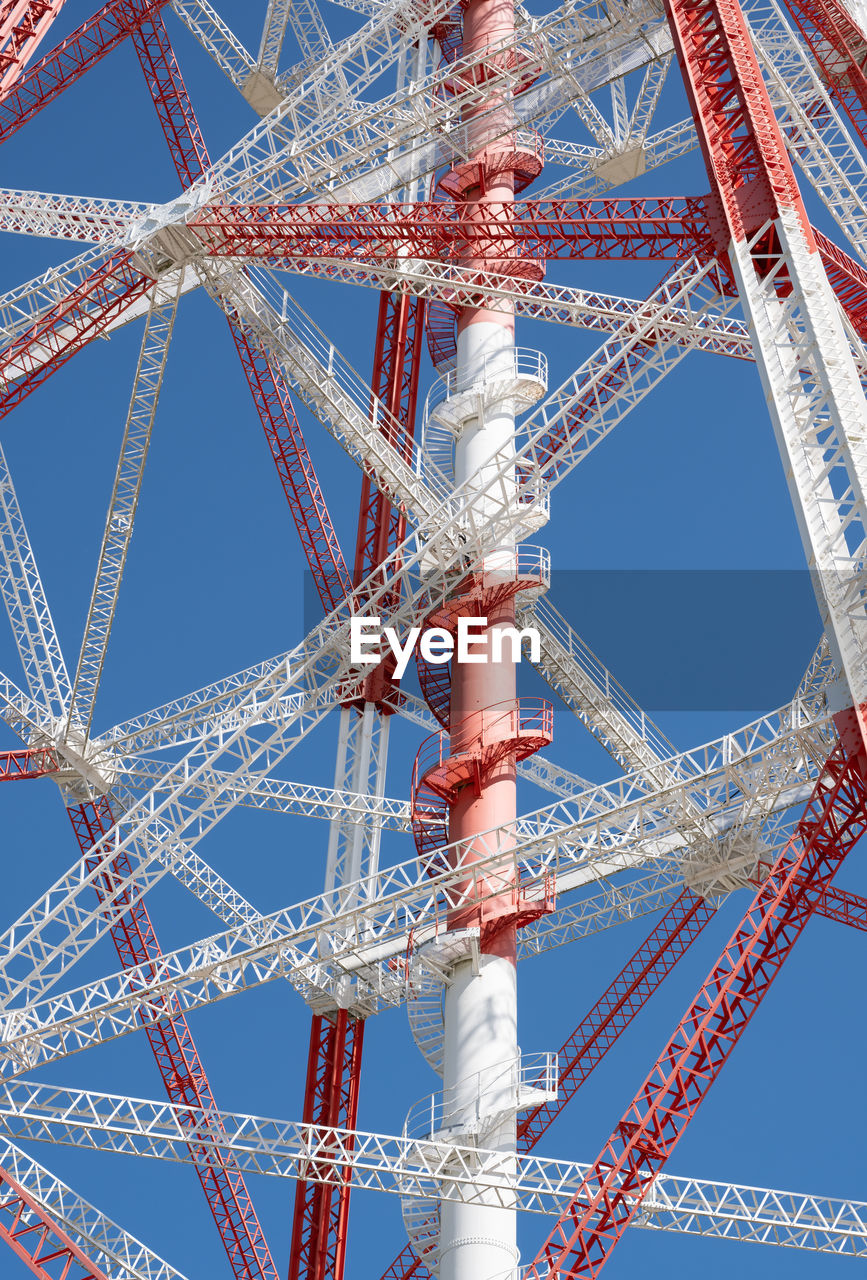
{"x":481,"y":1066}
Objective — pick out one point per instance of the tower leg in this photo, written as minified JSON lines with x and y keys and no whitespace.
{"x":478,"y":1241}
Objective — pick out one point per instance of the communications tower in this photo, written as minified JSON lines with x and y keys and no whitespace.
{"x":443,"y":155}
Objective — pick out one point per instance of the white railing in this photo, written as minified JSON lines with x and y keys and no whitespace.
{"x":337,"y":380}
{"x":523,"y":363}
{"x":514,"y":1085}
{"x":614,"y":693}
{"x":534,"y":564}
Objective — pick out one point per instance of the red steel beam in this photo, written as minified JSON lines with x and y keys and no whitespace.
{"x":444,"y":230}
{"x":840,"y":51}
{"x":740,"y":141}
{"x":295,"y":469}
{"x":616,"y":228}
{"x":28,"y":762}
{"x":68,"y":62}
{"x":171,"y":99}
{"x":40,"y":1242}
{"x":847,"y":278}
{"x":396,"y":366}
{"x":267,"y":385}
{"x":176,"y":1056}
{"x":109,"y":291}
{"x":407,"y":1264}
{"x":843,"y":906}
{"x":396,"y":361}
{"x":633,"y":987}
{"x":629,"y":228}
{"x":318,"y":1245}
{"x":611,"y":1193}
{"x":82,"y":315}
{"x":23,"y":26}
{"x":618,"y":1006}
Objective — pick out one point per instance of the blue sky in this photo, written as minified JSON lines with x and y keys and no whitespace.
{"x":691,"y":480}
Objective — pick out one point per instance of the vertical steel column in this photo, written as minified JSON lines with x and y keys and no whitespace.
{"x":597,"y":1032}
{"x":353,"y":840}
{"x":396,"y":362}
{"x":334,"y":1065}
{"x":318,"y":1245}
{"x":478,"y":1241}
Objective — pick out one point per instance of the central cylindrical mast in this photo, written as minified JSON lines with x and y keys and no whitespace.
{"x":478,"y":1241}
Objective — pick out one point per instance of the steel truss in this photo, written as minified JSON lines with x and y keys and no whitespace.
{"x":348,"y":178}
{"x":388,"y":1163}
{"x":36,"y":1239}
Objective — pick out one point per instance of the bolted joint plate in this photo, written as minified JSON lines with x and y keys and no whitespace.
{"x":717,"y":868}
{"x":85,"y":766}
{"x":161,"y":240}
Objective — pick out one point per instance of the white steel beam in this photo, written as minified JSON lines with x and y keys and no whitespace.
{"x":616,"y":901}
{"x":21,"y":713}
{"x":273,"y":34}
{"x":820,"y":419}
{"x":647,"y":99}
{"x":354,"y":837}
{"x":59,"y":928}
{"x":354,"y":151}
{"x":123,"y":504}
{"x":303,"y":799}
{"x":440,"y":544}
{"x":594,"y":174}
{"x":91,"y":218}
{"x":425,"y":1166}
{"x":22,"y":306}
{"x":762,"y":769}
{"x":699,"y":330}
{"x":587,"y":686}
{"x":704,"y":330}
{"x":191,"y":717}
{"x":27,"y":606}
{"x":308,"y":27}
{"x":216,"y":39}
{"x":118,"y":1253}
{"x":812,"y":128}
{"x":273,"y":793}
{"x":190,"y":870}
{"x":639,"y":355}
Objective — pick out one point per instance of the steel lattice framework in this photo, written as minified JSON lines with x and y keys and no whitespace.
{"x":404,"y":149}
